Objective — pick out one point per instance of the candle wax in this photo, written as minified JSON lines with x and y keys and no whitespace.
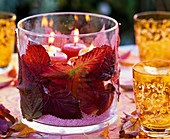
{"x":72,"y":49}
{"x":57,"y":57}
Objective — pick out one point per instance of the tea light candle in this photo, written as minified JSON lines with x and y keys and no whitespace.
{"x":72,"y":49}
{"x":57,"y":57}
{"x":55,"y":54}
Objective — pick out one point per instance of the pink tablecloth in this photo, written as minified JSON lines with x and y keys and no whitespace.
{"x":9,"y":97}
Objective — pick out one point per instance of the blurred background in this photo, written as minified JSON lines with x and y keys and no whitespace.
{"x":122,"y":10}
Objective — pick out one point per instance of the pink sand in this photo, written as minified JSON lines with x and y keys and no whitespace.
{"x":86,"y":120}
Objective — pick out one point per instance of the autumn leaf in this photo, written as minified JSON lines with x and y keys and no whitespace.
{"x":90,"y":61}
{"x":132,"y":100}
{"x":6,"y":113}
{"x":31,"y":90}
{"x":57,"y":71}
{"x":130,"y":126}
{"x":25,"y":131}
{"x":36,"y":58}
{"x":125,"y":55}
{"x":12,"y":73}
{"x":62,"y":106}
{"x":105,"y":99}
{"x":4,"y":125}
{"x":89,"y":99}
{"x":18,"y":126}
{"x":5,"y":83}
{"x":9,"y":134}
{"x":31,"y":99}
{"x":105,"y":133}
{"x":5,"y":131}
{"x":61,"y":89}
{"x":107,"y":69}
{"x":126,"y":87}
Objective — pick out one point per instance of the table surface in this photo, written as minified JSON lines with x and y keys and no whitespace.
{"x":9,"y":97}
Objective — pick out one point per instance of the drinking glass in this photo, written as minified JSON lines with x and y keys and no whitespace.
{"x":151,"y":82}
{"x":68,"y":72}
{"x":152,"y":34}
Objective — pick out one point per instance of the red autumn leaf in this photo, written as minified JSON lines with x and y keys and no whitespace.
{"x":36,"y":58}
{"x":62,"y":106}
{"x":30,"y":92}
{"x":107,"y":69}
{"x":57,"y":71}
{"x":6,"y":113}
{"x":90,"y":61}
{"x":88,"y":92}
{"x":5,"y":84}
{"x":2,"y":108}
{"x":125,"y":55}
{"x":31,"y":99}
{"x":4,"y":125}
{"x":12,"y":73}
{"x":106,"y":99}
{"x":101,"y":39}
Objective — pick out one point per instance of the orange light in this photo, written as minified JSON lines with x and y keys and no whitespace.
{"x":44,"y":22}
{"x":76,"y":33}
{"x":51,"y":22}
{"x":87,"y":17}
{"x":76,"y":17}
{"x":51,"y":38}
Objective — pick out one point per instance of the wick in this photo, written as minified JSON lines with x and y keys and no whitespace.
{"x":54,"y":54}
{"x":49,"y":44}
{"x":74,"y":44}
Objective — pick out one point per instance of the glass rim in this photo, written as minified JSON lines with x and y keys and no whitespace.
{"x":137,"y":15}
{"x":68,"y":13}
{"x":133,"y":67}
{"x":11,"y":18}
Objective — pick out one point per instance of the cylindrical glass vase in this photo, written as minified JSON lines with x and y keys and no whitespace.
{"x":68,"y":72}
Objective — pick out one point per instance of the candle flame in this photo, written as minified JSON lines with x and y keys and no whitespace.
{"x":76,"y":33}
{"x":87,"y":17}
{"x":91,"y":47}
{"x":44,"y":22}
{"x":51,"y":38}
{"x":76,"y":17}
{"x":85,"y":50}
{"x":51,"y":22}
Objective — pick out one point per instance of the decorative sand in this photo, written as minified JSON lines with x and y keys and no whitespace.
{"x":86,"y":120}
